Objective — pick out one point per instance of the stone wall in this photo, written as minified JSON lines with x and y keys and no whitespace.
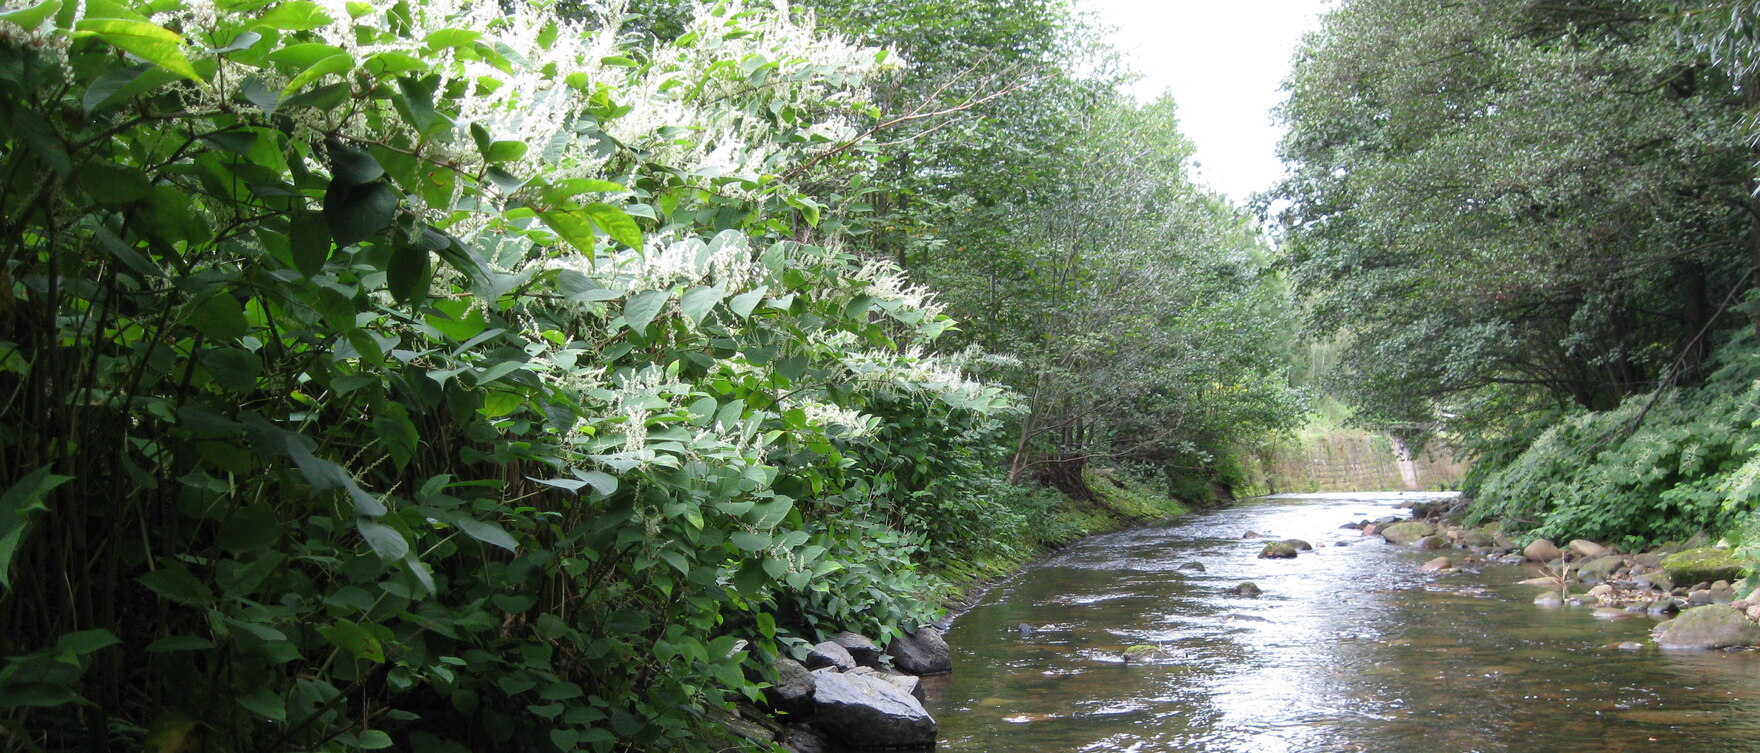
{"x":1356,"y":461}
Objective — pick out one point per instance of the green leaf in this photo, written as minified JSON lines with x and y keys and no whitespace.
{"x":407,"y":274}
{"x":309,"y":241}
{"x":488,"y":533}
{"x":351,"y":165}
{"x":357,"y":213}
{"x":111,"y":183}
{"x":374,"y":740}
{"x":235,"y":369}
{"x":87,"y":641}
{"x":21,"y":502}
{"x":31,"y":18}
{"x":640,"y":309}
{"x":327,"y":66}
{"x":249,"y":529}
{"x":498,"y":403}
{"x":295,"y":15}
{"x":616,"y":224}
{"x":384,"y":540}
{"x":768,"y":515}
{"x":265,"y":703}
{"x":603,"y":483}
{"x":697,"y":302}
{"x":355,"y":639}
{"x":174,"y":643}
{"x":177,"y":583}
{"x":744,"y":303}
{"x":219,"y":316}
{"x":505,"y":151}
{"x":154,"y":44}
{"x":748,"y":541}
{"x":572,"y":228}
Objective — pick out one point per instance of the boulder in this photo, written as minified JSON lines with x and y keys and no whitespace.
{"x":829,"y":654}
{"x":1657,"y":580}
{"x":1406,"y":532}
{"x":1541,"y":550}
{"x":865,"y":711}
{"x":1440,"y":563}
{"x":1703,"y":565}
{"x":1587,"y":549}
{"x":1248,"y":589}
{"x":860,"y":648}
{"x":1252,"y":535}
{"x":1299,"y":544}
{"x":1429,"y":543}
{"x":1479,"y":537}
{"x":800,"y":738}
{"x":1722,"y":592}
{"x":1278,"y":550}
{"x":910,"y":684}
{"x":922,"y":654}
{"x":1599,"y":569}
{"x":1708,"y":627}
{"x":792,"y":690}
{"x":1194,"y":566}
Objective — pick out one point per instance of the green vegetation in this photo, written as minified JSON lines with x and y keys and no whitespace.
{"x":458,"y":375}
{"x":1532,"y":229}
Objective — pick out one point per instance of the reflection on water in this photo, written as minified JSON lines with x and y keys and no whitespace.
{"x":1349,"y":649}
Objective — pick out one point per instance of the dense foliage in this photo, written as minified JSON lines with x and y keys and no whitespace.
{"x":457,"y":375}
{"x":1531,"y":225}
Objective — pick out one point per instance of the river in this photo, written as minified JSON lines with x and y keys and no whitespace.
{"x":1350,"y":648}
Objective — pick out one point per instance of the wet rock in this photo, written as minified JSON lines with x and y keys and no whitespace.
{"x":1025,"y":630}
{"x":1252,"y":535}
{"x":922,"y":654}
{"x":800,"y":738}
{"x":1541,"y":550}
{"x":1549,"y":599}
{"x":792,"y":690}
{"x":910,"y":684}
{"x":1194,"y":566}
{"x":1479,"y":537}
{"x":829,"y":654}
{"x":1754,"y":612}
{"x":1440,"y":563}
{"x":860,"y":648}
{"x":1431,"y":543}
{"x":1357,"y":526}
{"x":1609,"y":613}
{"x":1299,"y":544}
{"x":1703,"y":564}
{"x":1722,"y":592}
{"x":1587,"y":549}
{"x":1143,"y":653}
{"x":1602,"y":592}
{"x":865,"y":711}
{"x":1708,"y":627}
{"x":1656,"y":580}
{"x":1631,"y":646}
{"x":1248,"y":589}
{"x":1650,"y":560}
{"x":1699,"y":598}
{"x":1277,"y":550}
{"x":1406,"y":532}
{"x":1599,"y":569}
{"x":1662,"y":607}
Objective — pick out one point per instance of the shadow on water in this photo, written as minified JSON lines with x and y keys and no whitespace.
{"x":1350,"y":648}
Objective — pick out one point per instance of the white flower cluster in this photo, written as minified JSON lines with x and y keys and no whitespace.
{"x":888,"y":283}
{"x":853,"y":423}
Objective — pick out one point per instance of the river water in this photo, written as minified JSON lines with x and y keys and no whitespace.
{"x":1350,"y":648}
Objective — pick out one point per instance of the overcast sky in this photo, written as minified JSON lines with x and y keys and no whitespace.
{"x":1223,"y":61}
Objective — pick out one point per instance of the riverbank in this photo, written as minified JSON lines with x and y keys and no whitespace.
{"x":1118,"y":503}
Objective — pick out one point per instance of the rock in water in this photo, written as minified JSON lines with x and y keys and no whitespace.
{"x":1440,"y":563}
{"x":1299,"y":544}
{"x":1248,"y":589}
{"x":1703,"y":565}
{"x":922,"y":654}
{"x":860,"y":648}
{"x":1588,"y":549}
{"x":1277,"y":550}
{"x":1599,"y":569}
{"x":1708,"y":627}
{"x":1194,"y":566}
{"x":793,"y":689}
{"x":1541,"y":550}
{"x":1406,"y":532}
{"x":865,"y":711}
{"x":829,"y":654}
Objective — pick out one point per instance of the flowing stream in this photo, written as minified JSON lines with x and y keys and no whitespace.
{"x":1350,"y":648}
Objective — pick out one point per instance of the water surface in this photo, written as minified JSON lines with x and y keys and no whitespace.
{"x":1350,"y":648}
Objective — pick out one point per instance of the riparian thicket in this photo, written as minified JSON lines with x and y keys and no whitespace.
{"x":1534,"y":229}
{"x":459,"y":375}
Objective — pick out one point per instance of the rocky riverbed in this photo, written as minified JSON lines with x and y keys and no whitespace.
{"x":1692,"y":580}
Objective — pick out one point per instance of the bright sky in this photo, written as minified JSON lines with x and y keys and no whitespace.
{"x":1223,"y":61}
